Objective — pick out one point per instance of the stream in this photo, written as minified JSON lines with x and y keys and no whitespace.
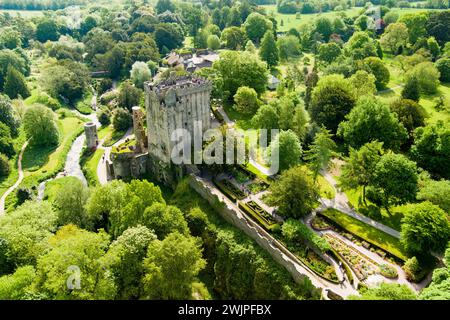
{"x":72,"y":166}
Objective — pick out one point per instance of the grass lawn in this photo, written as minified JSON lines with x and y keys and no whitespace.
{"x":24,"y":13}
{"x":325,"y":189}
{"x":111,"y":136}
{"x":288,"y":21}
{"x":426,"y":101}
{"x":84,"y":105}
{"x":89,"y":166}
{"x":367,"y":233}
{"x":53,"y":187}
{"x":42,"y":163}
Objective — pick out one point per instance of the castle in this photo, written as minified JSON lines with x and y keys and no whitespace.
{"x":176,"y":103}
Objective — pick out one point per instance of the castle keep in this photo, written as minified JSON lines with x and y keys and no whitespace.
{"x":170,"y":105}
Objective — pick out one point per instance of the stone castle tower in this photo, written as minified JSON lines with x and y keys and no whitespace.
{"x":174,"y":104}
{"x":90,"y":130}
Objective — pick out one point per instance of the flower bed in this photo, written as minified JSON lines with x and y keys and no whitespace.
{"x":259,"y":214}
{"x":313,"y":261}
{"x":257,"y":186}
{"x":361,"y":264}
{"x":388,"y":271}
{"x":318,"y":223}
{"x":230,"y":190}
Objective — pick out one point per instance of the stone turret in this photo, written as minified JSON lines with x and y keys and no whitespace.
{"x":139,"y":131}
{"x":90,"y":130}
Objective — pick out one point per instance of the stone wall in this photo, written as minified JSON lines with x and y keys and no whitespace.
{"x":254,"y":231}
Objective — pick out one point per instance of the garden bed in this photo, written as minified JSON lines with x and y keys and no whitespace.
{"x":230,"y":190}
{"x":261,"y":216}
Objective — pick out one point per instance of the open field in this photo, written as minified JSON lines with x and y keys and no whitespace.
{"x":24,"y":13}
{"x":288,"y":21}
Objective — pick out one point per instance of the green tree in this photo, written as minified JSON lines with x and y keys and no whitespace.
{"x":328,"y":52}
{"x":363,"y":83}
{"x":436,"y":192}
{"x":324,"y":26}
{"x":129,"y":96}
{"x":168,"y":36}
{"x":47,"y":29}
{"x":433,"y":47}
{"x":121,"y":119}
{"x":375,"y":66}
{"x":6,"y":141}
{"x":7,"y":116}
{"x":288,"y":47}
{"x":415,"y":22}
{"x":26,"y":231}
{"x":387,"y":291}
{"x":439,"y":287}
{"x":372,"y":120}
{"x":360,"y":46}
{"x":10,"y":38}
{"x":411,"y":90}
{"x":409,"y":113}
{"x":234,"y":38}
{"x":427,"y":76}
{"x":4,"y":166}
{"x":17,"y":285}
{"x":171,"y":266}
{"x":246,"y":100}
{"x":287,"y":145}
{"x":213,"y":42}
{"x":268,"y":50}
{"x":240,"y":69}
{"x":443,"y":66}
{"x":164,"y":220}
{"x":266,"y":117}
{"x":332,"y":99}
{"x":396,"y":179}
{"x":256,"y":25}
{"x":69,"y":203}
{"x":15,"y":84}
{"x":164,"y":5}
{"x":55,"y":267}
{"x":140,"y":73}
{"x":425,"y":227}
{"x":118,"y":206}
{"x":395,"y":36}
{"x":124,"y":259}
{"x":320,"y":151}
{"x":40,"y":126}
{"x":294,"y":193}
{"x":431,"y":149}
{"x":359,"y":167}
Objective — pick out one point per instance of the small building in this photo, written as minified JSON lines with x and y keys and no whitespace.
{"x":272,"y":82}
{"x":192,"y":62}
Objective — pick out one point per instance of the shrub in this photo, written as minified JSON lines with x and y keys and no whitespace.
{"x":104,"y":117}
{"x":4,"y":166}
{"x":121,"y":119}
{"x":388,"y":271}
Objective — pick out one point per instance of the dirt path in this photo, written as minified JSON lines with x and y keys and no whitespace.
{"x":19,"y":180}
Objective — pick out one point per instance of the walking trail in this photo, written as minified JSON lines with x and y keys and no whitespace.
{"x":18,"y":182}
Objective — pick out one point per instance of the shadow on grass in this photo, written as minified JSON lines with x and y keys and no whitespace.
{"x":243,"y":121}
{"x":35,"y":157}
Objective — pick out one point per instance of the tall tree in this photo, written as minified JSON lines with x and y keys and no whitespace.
{"x":321,"y":151}
{"x":268,"y":50}
{"x":171,"y":266}
{"x":294,"y":193}
{"x":40,"y":126}
{"x":359,"y":167}
{"x":15,"y":84}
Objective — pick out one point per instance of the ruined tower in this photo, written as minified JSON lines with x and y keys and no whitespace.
{"x":139,"y":131}
{"x":176,"y":103}
{"x":90,"y":130}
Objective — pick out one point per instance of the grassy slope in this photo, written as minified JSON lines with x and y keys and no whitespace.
{"x":42,"y":163}
{"x":53,"y":187}
{"x":89,"y":166}
{"x":366,"y":232}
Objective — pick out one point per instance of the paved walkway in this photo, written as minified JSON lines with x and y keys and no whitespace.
{"x":345,"y":289}
{"x":340,"y":202}
{"x":18,"y":182}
